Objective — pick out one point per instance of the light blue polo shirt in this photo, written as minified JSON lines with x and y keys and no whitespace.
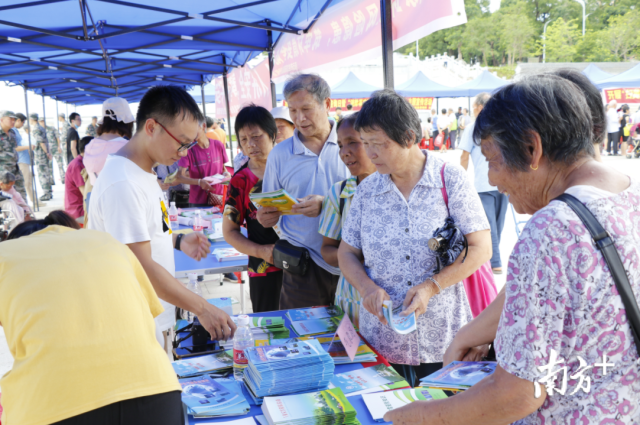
{"x":480,"y":164}
{"x":23,"y":156}
{"x":299,"y":171}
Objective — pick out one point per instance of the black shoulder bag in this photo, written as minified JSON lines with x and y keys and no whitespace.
{"x":606,"y":246}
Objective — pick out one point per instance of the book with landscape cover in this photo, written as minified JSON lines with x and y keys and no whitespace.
{"x":400,"y":324}
{"x":327,"y":325}
{"x":381,"y":403}
{"x":279,"y":199}
{"x":459,"y":375}
{"x":199,"y":365}
{"x":314,"y":313}
{"x":327,"y":406}
{"x":369,"y":380}
{"x":206,"y":397}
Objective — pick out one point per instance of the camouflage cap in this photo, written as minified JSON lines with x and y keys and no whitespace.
{"x":9,"y":114}
{"x":33,"y":116}
{"x":61,"y":115}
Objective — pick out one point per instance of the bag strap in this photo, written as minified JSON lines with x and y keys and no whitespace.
{"x":606,"y":246}
{"x":341,"y":199}
{"x":444,"y":188}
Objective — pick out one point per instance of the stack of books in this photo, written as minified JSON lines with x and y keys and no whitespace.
{"x":331,"y":345}
{"x":287,"y":369}
{"x":229,"y":254}
{"x":328,"y":325}
{"x":299,"y":315}
{"x":262,"y":328}
{"x":372,"y":379}
{"x":205,"y":397}
{"x":381,"y":403}
{"x":328,"y":407}
{"x":217,"y":362}
{"x":459,"y":376}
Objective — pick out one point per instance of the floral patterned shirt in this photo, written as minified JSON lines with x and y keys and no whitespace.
{"x":393,"y":234}
{"x":560,"y":295}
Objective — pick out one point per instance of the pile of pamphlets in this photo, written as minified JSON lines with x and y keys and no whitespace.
{"x":298,"y":315}
{"x":331,"y":345}
{"x":369,"y":380}
{"x":194,"y":366}
{"x":280,"y":199}
{"x":287,"y":369}
{"x":205,"y":397}
{"x":328,"y":407}
{"x":381,"y":403}
{"x":400,"y":324}
{"x":229,"y":254}
{"x":328,"y":325}
{"x":459,"y":375}
{"x":262,"y":328}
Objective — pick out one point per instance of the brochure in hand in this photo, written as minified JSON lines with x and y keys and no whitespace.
{"x":459,"y":375}
{"x":288,"y":368}
{"x":323,"y":407}
{"x":400,"y":324}
{"x":280,"y":199}
{"x":314,"y":313}
{"x":200,"y":365}
{"x":218,"y":179}
{"x":369,"y":380}
{"x":229,"y":254}
{"x":205,"y":397}
{"x":381,"y":403}
{"x":327,"y":325}
{"x":171,"y":177}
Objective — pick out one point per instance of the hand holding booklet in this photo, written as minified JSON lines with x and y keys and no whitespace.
{"x":279,"y":199}
{"x":400,"y":324}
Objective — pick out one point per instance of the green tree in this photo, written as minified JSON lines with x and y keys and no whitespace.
{"x":516,"y":33}
{"x":482,"y":35}
{"x":562,"y":38}
{"x":591,"y":49}
{"x":621,"y":38}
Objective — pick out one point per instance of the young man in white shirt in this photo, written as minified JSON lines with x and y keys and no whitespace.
{"x":613,"y":128}
{"x":128,"y":203}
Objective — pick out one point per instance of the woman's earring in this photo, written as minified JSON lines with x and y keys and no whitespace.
{"x":534,"y":169}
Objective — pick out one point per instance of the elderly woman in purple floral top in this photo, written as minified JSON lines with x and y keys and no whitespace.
{"x":560,"y":299}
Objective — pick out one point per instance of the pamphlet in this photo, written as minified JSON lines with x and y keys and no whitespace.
{"x":206,"y":397}
{"x":217,"y":179}
{"x":459,"y":375}
{"x":314,"y":313}
{"x":280,"y":199}
{"x":368,"y":380}
{"x":229,"y":254}
{"x":400,"y":324}
{"x":323,"y":407}
{"x":316,"y":326}
{"x":381,"y":403}
{"x":199,"y":365}
{"x":172,"y":177}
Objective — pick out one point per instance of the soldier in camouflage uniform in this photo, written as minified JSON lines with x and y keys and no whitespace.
{"x":55,"y":148}
{"x":91,"y":128}
{"x":64,"y":127}
{"x":42,"y":156}
{"x":8,"y":153}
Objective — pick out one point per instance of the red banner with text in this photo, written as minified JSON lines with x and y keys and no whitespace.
{"x":350,"y":32}
{"x":246,"y":85}
{"x":419,"y":103}
{"x":342,"y":103}
{"x":622,"y":95}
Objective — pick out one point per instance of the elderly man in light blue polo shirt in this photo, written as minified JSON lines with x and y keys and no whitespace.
{"x":306,"y":166}
{"x":495,"y":203}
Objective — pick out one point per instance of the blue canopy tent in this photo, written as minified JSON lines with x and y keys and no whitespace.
{"x":627,"y":79}
{"x":595,"y":74}
{"x":351,"y":87}
{"x":485,"y":82}
{"x":421,"y":86}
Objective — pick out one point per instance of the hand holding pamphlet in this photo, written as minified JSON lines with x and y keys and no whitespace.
{"x":279,"y":199}
{"x":381,"y":403}
{"x":218,"y":179}
{"x":172,"y":177}
{"x":400,"y":324}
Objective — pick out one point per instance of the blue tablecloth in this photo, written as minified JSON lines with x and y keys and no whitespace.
{"x":362,"y":412}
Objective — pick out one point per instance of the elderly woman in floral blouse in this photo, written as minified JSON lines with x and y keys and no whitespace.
{"x":393,"y":215}
{"x":560,"y":300}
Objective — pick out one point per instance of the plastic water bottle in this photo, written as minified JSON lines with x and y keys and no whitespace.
{"x":242,"y":339}
{"x":194,"y":287}
{"x":173,"y":216}
{"x":197,"y":223}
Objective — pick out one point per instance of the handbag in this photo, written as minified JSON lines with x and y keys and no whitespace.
{"x":480,"y":286}
{"x":439,"y":139}
{"x":605,"y":244}
{"x":291,"y":258}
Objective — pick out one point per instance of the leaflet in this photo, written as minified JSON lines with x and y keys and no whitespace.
{"x":459,"y":375}
{"x":328,"y":325}
{"x":199,"y":365}
{"x":368,"y":380}
{"x":400,"y":324}
{"x":314,"y":313}
{"x":206,"y":397}
{"x":381,"y":403}
{"x":279,"y":199}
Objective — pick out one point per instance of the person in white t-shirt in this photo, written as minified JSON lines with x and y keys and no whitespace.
{"x":443,"y":127}
{"x":128,"y":203}
{"x":613,"y":127}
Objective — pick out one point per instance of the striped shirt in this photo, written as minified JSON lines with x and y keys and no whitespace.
{"x":331,"y":220}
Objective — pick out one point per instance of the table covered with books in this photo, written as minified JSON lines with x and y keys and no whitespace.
{"x":298,"y":374}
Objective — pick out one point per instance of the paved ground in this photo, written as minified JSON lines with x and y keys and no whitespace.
{"x":212,"y":289}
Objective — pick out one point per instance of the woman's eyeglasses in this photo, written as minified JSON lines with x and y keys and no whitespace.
{"x":183,"y":147}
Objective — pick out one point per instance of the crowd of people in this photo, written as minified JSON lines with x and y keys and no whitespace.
{"x":369,"y":202}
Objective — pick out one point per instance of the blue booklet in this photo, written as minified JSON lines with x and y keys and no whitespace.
{"x":206,"y":397}
{"x":199,"y":365}
{"x":369,"y":380}
{"x":400,"y":324}
{"x":314,"y":313}
{"x":459,"y":375}
{"x":328,"y":325}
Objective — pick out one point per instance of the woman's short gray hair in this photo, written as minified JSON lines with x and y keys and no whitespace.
{"x":546,"y":104}
{"x":386,"y":110}
{"x":8,"y":178}
{"x":312,"y":83}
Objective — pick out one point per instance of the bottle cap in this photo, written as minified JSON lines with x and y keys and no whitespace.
{"x":192,"y":276}
{"x":172,"y":203}
{"x":243,"y":320}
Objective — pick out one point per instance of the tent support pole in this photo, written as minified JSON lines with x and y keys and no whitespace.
{"x":469,"y":105}
{"x":204,"y":108}
{"x":57,"y":117}
{"x":226,"y":99}
{"x":271,"y":83}
{"x":36,"y":206}
{"x":386,"y":24}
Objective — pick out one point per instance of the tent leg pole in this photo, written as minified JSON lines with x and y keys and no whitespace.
{"x":271,"y":84}
{"x":387,"y":43}
{"x":226,"y":100}
{"x":57,"y":117}
{"x":36,"y":206}
{"x":204,"y":108}
{"x":469,"y":106}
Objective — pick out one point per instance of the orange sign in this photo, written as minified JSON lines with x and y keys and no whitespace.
{"x":421,"y":102}
{"x":342,"y":103}
{"x":623,"y":95}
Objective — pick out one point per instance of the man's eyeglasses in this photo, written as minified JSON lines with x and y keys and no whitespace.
{"x":183,"y":147}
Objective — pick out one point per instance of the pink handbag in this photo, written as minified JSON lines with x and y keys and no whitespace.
{"x":480,"y":286}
